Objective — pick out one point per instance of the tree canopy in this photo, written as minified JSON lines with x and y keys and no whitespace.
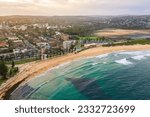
{"x":3,"y":69}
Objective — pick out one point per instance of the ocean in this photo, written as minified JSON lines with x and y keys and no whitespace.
{"x":122,"y":75}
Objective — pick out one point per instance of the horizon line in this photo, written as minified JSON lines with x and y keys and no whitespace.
{"x":77,"y":15}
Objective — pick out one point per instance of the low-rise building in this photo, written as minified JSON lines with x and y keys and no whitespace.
{"x":13,"y":38}
{"x":43,"y":45}
{"x":23,"y":27}
{"x":3,"y":44}
{"x":90,"y":45}
{"x":16,"y":51}
{"x":24,"y":50}
{"x":57,"y":33}
{"x":65,"y":37}
{"x":68,"y":44}
{"x":18,"y":43}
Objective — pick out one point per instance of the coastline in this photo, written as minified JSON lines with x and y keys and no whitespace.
{"x":30,"y":70}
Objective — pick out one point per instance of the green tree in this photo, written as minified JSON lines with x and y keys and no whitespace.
{"x":13,"y":64}
{"x":3,"y":69}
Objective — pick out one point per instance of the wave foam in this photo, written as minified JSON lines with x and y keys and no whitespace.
{"x":104,"y":62}
{"x":94,"y":64}
{"x":140,"y":57}
{"x":102,"y":56}
{"x":124,"y":62}
{"x":147,"y":55}
{"x":131,"y":53}
{"x":135,"y":53}
{"x":58,"y":66}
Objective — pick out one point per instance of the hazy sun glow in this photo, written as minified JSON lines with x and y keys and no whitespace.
{"x":74,"y":7}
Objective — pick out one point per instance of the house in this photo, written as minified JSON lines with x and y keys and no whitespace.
{"x":57,"y":33}
{"x":23,"y":28}
{"x":3,"y":44}
{"x":13,"y":38}
{"x":52,"y":27}
{"x":18,"y":43}
{"x":43,"y":38}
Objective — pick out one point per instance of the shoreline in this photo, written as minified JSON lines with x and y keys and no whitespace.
{"x":31,"y":70}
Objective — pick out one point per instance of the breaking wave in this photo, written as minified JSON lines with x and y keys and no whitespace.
{"x":124,"y":62}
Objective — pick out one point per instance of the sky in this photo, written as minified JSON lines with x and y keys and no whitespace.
{"x":74,"y":7}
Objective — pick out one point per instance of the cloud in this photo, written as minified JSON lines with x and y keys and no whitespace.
{"x":74,"y":7}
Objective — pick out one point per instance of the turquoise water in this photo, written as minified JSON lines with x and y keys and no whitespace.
{"x":116,"y":76}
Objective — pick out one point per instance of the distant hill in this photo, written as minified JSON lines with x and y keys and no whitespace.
{"x":98,"y":22}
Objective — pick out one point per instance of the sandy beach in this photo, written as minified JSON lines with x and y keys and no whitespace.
{"x":30,"y":70}
{"x":121,"y":32}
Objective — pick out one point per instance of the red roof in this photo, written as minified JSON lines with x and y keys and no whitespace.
{"x":3,"y":44}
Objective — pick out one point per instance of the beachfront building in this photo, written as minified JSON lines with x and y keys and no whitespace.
{"x":68,"y":44}
{"x":43,"y":55}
